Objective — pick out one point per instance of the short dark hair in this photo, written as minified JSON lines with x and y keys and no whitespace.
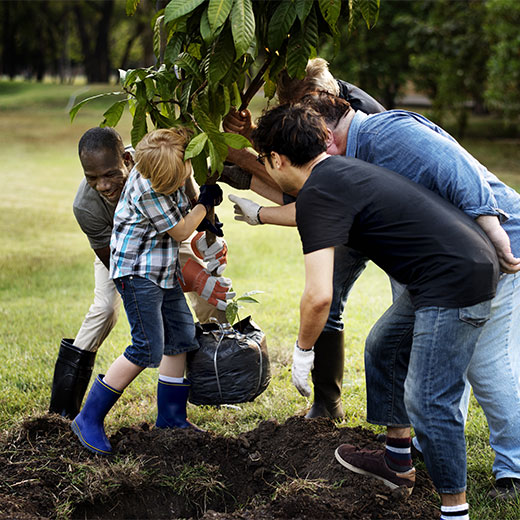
{"x":296,"y":131}
{"x":98,"y":138}
{"x":331,"y":108}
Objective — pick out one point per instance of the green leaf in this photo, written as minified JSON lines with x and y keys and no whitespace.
{"x":189,"y":63}
{"x":199,"y":164}
{"x":214,"y":158}
{"x":173,"y":48}
{"x":269,"y":88}
{"x":177,"y":8}
{"x":237,"y":98}
{"x":369,"y":10}
{"x":242,"y":25}
{"x":330,"y":10}
{"x":302,"y":8}
{"x":113,"y":114}
{"x":249,"y":293}
{"x":218,"y":11}
{"x":203,"y":120}
{"x":131,"y":7}
{"x":301,"y":45}
{"x":74,"y":110}
{"x":236,"y":141}
{"x":195,"y":146}
{"x":227,"y":99}
{"x":205,"y":29}
{"x":231,"y":312}
{"x":280,"y":25}
{"x":220,"y":59}
{"x":186,"y":87}
{"x":157,"y":36}
{"x":247,"y":299}
{"x":139,"y":126}
{"x":150,"y":88}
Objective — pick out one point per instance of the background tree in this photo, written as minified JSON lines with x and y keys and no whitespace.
{"x":377,"y":59}
{"x":448,"y":54}
{"x":206,"y":50}
{"x":503,"y":67}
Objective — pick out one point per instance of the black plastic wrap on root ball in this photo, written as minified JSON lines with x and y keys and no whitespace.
{"x":231,"y":366}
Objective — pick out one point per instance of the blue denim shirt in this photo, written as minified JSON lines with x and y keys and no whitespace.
{"x":413,"y":146}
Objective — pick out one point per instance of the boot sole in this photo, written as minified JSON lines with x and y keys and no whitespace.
{"x":93,"y":449}
{"x":360,"y":471}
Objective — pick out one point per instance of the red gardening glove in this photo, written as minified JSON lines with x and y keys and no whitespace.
{"x":215,"y":255}
{"x":214,"y":289}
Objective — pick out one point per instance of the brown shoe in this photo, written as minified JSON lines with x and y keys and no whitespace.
{"x":506,"y":489}
{"x":373,"y":464}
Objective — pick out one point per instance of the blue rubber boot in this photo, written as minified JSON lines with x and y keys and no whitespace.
{"x":88,"y":425}
{"x":171,"y":405}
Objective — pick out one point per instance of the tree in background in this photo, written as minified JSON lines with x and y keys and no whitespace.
{"x":56,"y":38}
{"x":206,"y":49}
{"x":376,"y":59}
{"x":448,"y":56}
{"x":501,"y":26}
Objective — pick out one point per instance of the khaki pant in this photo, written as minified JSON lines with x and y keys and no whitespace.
{"x":104,"y":311}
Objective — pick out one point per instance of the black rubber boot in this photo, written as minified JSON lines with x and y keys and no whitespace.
{"x":71,"y":377}
{"x":327,"y":376}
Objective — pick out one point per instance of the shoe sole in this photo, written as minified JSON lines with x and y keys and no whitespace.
{"x":93,"y":449}
{"x":360,"y":471}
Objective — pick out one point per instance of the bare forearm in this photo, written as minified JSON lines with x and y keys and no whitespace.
{"x":247,"y":160}
{"x":266,"y":190}
{"x":188,"y":224}
{"x":500,"y":240}
{"x":279,"y":215}
{"x":313,"y":316}
{"x":317,"y":295}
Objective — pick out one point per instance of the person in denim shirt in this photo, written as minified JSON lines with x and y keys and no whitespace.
{"x":445,"y":259}
{"x":152,"y":217}
{"x":416,"y":148}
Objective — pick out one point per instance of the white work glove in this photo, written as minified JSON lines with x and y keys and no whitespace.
{"x":246,"y":210}
{"x":214,"y":289}
{"x":215,"y":255}
{"x":303,"y":361}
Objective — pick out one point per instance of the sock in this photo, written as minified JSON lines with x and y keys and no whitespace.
{"x":168,"y":379}
{"x":398,"y":454}
{"x":459,"y":512}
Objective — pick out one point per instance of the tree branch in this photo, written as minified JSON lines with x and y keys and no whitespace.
{"x":255,"y":85}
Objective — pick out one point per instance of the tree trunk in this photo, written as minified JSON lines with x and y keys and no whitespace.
{"x":97,"y":29}
{"x":8,"y":45}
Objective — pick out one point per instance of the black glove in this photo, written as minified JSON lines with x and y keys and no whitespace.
{"x":236,"y":177}
{"x":210,"y":196}
{"x":207,"y":225}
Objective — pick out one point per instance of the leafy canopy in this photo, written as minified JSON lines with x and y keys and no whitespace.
{"x":205,"y":50}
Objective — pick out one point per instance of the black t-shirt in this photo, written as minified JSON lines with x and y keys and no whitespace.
{"x":359,"y":99}
{"x":417,"y":237}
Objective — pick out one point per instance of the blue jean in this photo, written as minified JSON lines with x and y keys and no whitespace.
{"x":348,"y":266}
{"x":494,"y":374}
{"x":494,"y":370}
{"x":160,"y":321}
{"x":422,"y":382}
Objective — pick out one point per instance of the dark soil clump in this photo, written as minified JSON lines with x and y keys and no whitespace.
{"x":275,"y":471}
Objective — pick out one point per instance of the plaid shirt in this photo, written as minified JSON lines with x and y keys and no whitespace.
{"x":140,"y":244}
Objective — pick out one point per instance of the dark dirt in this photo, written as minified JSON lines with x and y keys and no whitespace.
{"x":275,"y":471}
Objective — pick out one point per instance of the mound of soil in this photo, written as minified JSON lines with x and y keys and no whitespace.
{"x":276,"y":471}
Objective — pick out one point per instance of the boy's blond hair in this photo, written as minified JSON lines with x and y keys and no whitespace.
{"x":317,"y":79}
{"x":159,"y":156}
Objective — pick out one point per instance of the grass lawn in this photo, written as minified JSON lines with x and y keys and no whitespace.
{"x":46,"y":283}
